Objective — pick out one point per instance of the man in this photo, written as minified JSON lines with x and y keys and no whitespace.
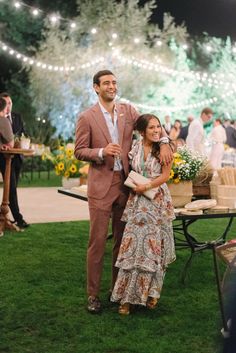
{"x":231,"y":135}
{"x":103,"y":137}
{"x":184,"y":130}
{"x":196,"y":135}
{"x":16,"y":164}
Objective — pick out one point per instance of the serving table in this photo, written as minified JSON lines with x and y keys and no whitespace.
{"x":5,"y":222}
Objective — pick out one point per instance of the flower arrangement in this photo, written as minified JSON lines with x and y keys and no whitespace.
{"x":186,"y":165}
{"x":65,"y":163}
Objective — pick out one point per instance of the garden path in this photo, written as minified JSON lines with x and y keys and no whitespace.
{"x":43,"y":204}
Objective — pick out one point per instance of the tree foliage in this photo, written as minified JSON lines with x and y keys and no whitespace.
{"x":67,"y":94}
{"x":57,"y":97}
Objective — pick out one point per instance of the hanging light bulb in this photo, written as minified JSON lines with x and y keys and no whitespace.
{"x":53,"y":18}
{"x":17,"y":4}
{"x":73,"y":25}
{"x":35,"y":12}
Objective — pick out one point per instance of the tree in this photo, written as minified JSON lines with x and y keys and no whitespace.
{"x":124,"y":34}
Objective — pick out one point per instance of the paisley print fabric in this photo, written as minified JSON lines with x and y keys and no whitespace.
{"x":148,"y":245}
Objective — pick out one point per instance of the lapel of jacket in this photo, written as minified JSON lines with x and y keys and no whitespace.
{"x":120,"y":122}
{"x":101,"y":122}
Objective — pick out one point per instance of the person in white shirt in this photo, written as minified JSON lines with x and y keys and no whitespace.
{"x":218,"y":138}
{"x":167,"y":124}
{"x":196,"y":134}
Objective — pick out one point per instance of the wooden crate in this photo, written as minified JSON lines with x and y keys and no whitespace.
{"x":201,"y":190}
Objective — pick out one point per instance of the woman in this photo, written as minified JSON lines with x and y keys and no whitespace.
{"x":6,"y":134}
{"x":175,"y":130}
{"x":147,"y":246}
{"x":218,"y":138}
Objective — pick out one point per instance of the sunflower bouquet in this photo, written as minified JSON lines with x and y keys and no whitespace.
{"x":186,"y":165}
{"x":64,"y":162}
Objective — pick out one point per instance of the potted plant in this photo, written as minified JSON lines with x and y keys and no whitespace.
{"x":65,"y":164}
{"x":185,"y":168}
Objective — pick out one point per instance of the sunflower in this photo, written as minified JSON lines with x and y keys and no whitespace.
{"x":69,"y":152}
{"x":60,"y":166}
{"x":171,"y":174}
{"x":176,"y":180}
{"x":73,"y":168}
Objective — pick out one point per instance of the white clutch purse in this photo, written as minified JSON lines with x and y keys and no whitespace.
{"x":137,"y":178}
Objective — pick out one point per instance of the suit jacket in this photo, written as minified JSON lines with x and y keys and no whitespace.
{"x":231,"y":136}
{"x":92,"y":134}
{"x":184,"y":132}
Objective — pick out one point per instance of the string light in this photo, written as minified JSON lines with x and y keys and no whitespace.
{"x":203,"y":79}
{"x":35,"y":12}
{"x":174,"y":109}
{"x":46,"y":66}
{"x":17,"y":4}
{"x":72,"y":25}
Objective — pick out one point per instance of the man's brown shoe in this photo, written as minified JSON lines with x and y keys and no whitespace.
{"x":94,"y":305}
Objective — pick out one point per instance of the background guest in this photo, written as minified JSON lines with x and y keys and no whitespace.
{"x":6,"y":134}
{"x":16,"y":164}
{"x":167,"y":124}
{"x":184,"y":129}
{"x":196,"y":134}
{"x":231,"y":134}
{"x":217,"y":138}
{"x":175,"y":130}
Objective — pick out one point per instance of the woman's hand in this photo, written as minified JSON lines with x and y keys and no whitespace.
{"x":140,"y":189}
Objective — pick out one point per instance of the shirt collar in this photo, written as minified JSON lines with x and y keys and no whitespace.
{"x":104,"y":111}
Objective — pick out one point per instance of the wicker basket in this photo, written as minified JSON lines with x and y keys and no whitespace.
{"x":226,"y":195}
{"x":181,"y":193}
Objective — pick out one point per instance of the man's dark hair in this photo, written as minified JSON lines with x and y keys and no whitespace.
{"x":207,"y":111}
{"x":4,"y":95}
{"x":3,"y":104}
{"x":96,"y":77}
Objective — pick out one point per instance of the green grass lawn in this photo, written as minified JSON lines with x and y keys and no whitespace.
{"x":42,"y":179}
{"x":43,"y":300}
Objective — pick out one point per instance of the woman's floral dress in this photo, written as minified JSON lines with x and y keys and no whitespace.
{"x":148,"y":245}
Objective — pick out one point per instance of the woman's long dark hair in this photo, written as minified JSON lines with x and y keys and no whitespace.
{"x":141,"y":126}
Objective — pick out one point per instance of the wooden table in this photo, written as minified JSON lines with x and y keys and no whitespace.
{"x":5,"y":222}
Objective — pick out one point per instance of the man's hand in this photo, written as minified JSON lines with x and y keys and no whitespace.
{"x":5,"y":147}
{"x":166,"y":154}
{"x":112,"y":149}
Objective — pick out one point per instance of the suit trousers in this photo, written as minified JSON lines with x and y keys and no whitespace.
{"x":16,"y":164}
{"x":111,"y":206}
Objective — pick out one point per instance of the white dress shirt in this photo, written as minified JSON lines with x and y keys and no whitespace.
{"x":114,"y":133}
{"x":196,"y":137}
